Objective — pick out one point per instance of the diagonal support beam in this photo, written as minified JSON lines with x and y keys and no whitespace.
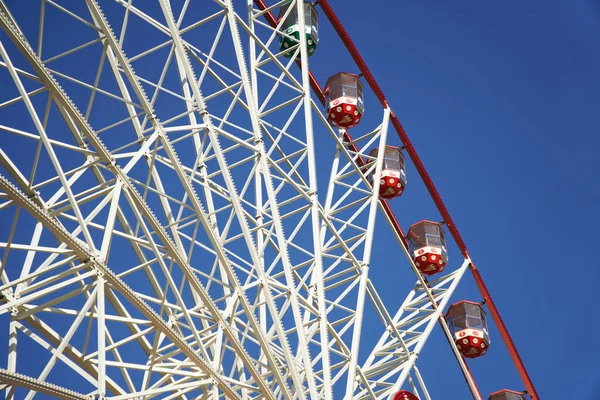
{"x":112,"y":279}
{"x":186,"y":183}
{"x":17,"y":380}
{"x":137,"y":202}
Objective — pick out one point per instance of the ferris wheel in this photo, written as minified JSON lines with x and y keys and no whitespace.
{"x":186,"y":213}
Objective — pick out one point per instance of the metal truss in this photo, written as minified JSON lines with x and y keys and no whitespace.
{"x":11,"y":380}
{"x":395,"y":355}
{"x":350,"y":208}
{"x":165,"y":233}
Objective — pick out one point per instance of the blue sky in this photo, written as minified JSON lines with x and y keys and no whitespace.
{"x":501,"y":101}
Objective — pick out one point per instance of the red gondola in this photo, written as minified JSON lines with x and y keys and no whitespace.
{"x":404,"y":395}
{"x":506,"y":394}
{"x":393,"y":173}
{"x":427,"y":246}
{"x":467,"y":322}
{"x":344,"y":100}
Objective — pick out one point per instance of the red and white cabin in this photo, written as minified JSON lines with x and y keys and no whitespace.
{"x":404,"y":395}
{"x":468,"y":325}
{"x":427,"y":246}
{"x":344,"y":100}
{"x":393,"y":172}
{"x":506,"y":394}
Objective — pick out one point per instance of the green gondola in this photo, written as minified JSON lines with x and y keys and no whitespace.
{"x":291,"y":28}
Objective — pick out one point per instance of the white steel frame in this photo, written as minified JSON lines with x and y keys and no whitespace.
{"x":240,"y":280}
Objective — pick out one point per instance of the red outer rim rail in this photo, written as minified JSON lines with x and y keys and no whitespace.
{"x":345,"y":37}
{"x":333,"y":19}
